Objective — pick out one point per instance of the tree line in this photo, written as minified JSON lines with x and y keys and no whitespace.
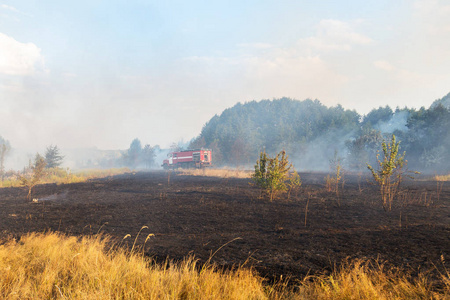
{"x":312,"y":133}
{"x":309,"y":131}
{"x":136,"y":156}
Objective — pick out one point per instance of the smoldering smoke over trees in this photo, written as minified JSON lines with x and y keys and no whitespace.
{"x":298,"y":127}
{"x":424,"y":133}
{"x":311,"y":133}
{"x":428,"y":138}
{"x":363,"y":148}
{"x":139,"y":157}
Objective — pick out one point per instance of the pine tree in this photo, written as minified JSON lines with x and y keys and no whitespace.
{"x":53,"y":159}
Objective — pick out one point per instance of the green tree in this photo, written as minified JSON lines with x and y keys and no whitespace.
{"x":294,"y":183}
{"x":37,"y":172}
{"x":428,"y":138}
{"x":389,"y":174}
{"x":5,"y":148}
{"x":132,"y":156}
{"x":148,"y":156}
{"x":53,"y":158}
{"x":382,"y":114}
{"x":272,"y":174}
{"x":197,"y":143}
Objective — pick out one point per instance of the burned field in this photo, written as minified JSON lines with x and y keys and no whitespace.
{"x":309,"y":233}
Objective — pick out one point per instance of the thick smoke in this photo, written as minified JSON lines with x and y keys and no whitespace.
{"x":396,"y":123}
{"x":317,"y":154}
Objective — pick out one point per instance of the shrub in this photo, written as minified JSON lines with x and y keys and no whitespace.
{"x":31,"y":180}
{"x":332,"y":182}
{"x":272,"y":174}
{"x":294,"y":182}
{"x":389,"y":174}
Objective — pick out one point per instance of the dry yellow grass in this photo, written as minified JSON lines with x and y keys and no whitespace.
{"x":360,"y":280}
{"x":65,"y":176}
{"x":53,"y":266}
{"x":222,"y":173}
{"x":442,"y":177}
{"x":100,"y":173}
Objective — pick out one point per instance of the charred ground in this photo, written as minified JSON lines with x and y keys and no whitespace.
{"x":197,"y":215}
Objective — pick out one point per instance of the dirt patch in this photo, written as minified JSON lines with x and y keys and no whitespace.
{"x":197,"y":215}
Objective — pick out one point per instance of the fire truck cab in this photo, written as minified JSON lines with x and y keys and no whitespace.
{"x":197,"y":158}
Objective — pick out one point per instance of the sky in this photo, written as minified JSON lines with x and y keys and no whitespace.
{"x":96,"y":73}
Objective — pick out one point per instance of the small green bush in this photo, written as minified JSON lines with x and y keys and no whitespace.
{"x":391,"y":168}
{"x":272,"y":174}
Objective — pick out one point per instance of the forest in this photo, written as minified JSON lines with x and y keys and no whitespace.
{"x":313,"y":134}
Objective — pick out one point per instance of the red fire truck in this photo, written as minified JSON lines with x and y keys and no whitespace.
{"x":197,"y":158}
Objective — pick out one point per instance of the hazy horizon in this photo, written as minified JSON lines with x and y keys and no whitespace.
{"x":100,"y":73}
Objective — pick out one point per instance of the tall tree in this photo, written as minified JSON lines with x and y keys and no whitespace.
{"x":53,"y":158}
{"x":5,"y":148}
{"x":428,"y":138}
{"x":382,"y":114}
{"x":148,"y":156}
{"x":133,"y":155}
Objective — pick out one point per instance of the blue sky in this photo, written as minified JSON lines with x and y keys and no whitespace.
{"x":100,"y":73}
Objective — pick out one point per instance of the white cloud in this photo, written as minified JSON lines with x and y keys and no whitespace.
{"x":306,"y":69}
{"x":335,"y":35}
{"x":400,"y":76}
{"x":342,"y":32}
{"x":431,"y":28}
{"x":262,"y":46}
{"x":383,"y":65}
{"x":8,"y":7}
{"x":18,"y":58}
{"x":411,"y":67}
{"x":434,"y":14}
{"x":15,"y":11}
